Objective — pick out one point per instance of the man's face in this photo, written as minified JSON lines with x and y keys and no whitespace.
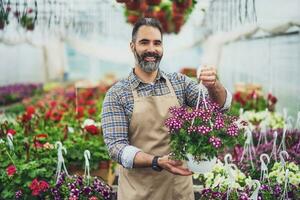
{"x":147,"y":48}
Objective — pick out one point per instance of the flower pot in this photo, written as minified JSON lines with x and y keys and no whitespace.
{"x":153,"y":2}
{"x":202,"y":166}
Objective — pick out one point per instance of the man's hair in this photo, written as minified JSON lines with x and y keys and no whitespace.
{"x":145,"y":22}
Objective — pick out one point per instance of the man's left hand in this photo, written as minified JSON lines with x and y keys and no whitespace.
{"x":208,"y":76}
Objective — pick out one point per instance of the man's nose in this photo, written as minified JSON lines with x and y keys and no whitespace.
{"x":151,"y":48}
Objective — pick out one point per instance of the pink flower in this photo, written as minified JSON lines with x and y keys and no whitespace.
{"x":38,"y":186}
{"x":93,"y":198}
{"x":11,"y":170}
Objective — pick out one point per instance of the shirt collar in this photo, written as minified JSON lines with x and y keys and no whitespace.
{"x":135,"y":80}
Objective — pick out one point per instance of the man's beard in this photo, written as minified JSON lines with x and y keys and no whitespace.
{"x":148,"y":66}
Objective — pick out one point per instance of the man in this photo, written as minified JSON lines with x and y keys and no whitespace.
{"x":133,"y":116}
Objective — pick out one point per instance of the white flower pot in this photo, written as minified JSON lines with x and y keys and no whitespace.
{"x":200,"y":167}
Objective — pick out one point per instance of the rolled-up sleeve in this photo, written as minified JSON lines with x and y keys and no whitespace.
{"x":115,"y":131}
{"x":114,"y":125}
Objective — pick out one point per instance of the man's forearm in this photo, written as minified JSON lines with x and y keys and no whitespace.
{"x":218,"y":94}
{"x":142,"y":159}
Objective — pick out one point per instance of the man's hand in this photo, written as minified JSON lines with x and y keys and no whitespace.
{"x":173,"y":166}
{"x":208,"y":76}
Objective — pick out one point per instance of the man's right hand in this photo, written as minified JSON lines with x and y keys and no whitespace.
{"x":173,"y":166}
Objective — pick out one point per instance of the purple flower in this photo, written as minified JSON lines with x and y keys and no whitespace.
{"x":219,"y":123}
{"x":265,"y":187}
{"x":74,"y":192}
{"x":192,"y":129}
{"x":87,"y":190}
{"x":71,"y":186}
{"x":233,"y":129}
{"x":203,"y":129}
{"x":216,"y":142}
{"x":206,"y":192}
{"x":216,"y":194}
{"x":178,"y":112}
{"x":277,"y":190}
{"x":79,"y":181}
{"x":19,"y":194}
{"x":244,"y":196}
{"x":173,"y":124}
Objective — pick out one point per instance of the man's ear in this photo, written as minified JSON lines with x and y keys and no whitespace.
{"x":132,"y":47}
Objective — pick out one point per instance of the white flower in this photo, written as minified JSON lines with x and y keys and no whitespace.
{"x":293,"y":167}
{"x":218,"y":180}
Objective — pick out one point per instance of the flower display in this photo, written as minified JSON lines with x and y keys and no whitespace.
{"x":223,"y":182}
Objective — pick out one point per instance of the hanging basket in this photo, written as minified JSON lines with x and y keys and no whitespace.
{"x":201,"y":167}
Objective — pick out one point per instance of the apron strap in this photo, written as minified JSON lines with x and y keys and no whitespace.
{"x":169,"y":85}
{"x":134,"y":93}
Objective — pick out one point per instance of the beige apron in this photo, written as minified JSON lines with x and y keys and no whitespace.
{"x":148,"y":132}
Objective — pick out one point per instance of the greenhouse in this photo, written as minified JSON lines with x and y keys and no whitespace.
{"x":150,"y":100}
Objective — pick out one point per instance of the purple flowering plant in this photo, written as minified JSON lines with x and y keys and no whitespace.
{"x":202,"y":132}
{"x":77,"y":187}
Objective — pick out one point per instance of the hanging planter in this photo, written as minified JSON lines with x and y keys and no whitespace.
{"x":172,"y":14}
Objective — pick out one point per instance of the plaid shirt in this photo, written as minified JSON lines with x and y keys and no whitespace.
{"x":118,"y":106}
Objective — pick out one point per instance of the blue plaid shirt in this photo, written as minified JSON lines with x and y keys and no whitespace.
{"x":118,"y":106}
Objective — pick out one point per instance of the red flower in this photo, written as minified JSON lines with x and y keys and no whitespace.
{"x":92,"y":129}
{"x":56,"y":116}
{"x":93,"y":198}
{"x":34,"y":186}
{"x":37,"y":143}
{"x":48,"y":114}
{"x":11,"y":131}
{"x":80,"y":112}
{"x":30,"y":110}
{"x":90,"y":102}
{"x":53,"y":104}
{"x":26,"y":117}
{"x":38,"y":186}
{"x":92,"y":111}
{"x":65,"y":106}
{"x":43,"y":186}
{"x":11,"y":170}
{"x":272,"y":98}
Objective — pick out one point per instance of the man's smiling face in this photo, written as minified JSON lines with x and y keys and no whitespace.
{"x":147,"y":48}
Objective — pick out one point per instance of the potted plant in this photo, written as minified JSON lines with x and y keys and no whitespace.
{"x":200,"y":134}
